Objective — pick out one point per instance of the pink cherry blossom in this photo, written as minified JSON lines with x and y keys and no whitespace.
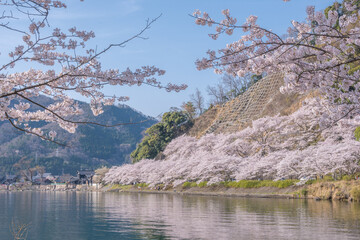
{"x":272,"y":148}
{"x":318,"y":54}
{"x":59,"y":63}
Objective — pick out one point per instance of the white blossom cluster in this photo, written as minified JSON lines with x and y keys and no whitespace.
{"x":272,"y":148}
{"x":321,"y":53}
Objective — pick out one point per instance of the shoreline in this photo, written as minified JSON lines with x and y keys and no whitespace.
{"x":322,"y":190}
{"x":152,"y":191}
{"x":48,"y":188}
{"x":263,"y":192}
{"x":214,"y":194}
{"x":242,"y":193}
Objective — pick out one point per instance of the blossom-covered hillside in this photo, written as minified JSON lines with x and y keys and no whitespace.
{"x":319,"y":55}
{"x":277,"y":147}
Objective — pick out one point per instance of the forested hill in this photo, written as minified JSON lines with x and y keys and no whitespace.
{"x":90,"y":147}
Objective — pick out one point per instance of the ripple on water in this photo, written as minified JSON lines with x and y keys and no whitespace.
{"x":161,"y":216}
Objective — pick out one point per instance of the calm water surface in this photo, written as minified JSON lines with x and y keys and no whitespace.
{"x":76,"y":216}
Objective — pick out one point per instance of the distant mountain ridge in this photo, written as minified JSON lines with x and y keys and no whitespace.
{"x":91,"y":146}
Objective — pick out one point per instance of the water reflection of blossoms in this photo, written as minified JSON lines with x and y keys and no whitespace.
{"x":193,"y":217}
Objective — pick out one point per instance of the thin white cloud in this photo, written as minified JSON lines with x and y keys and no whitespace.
{"x":128,"y":7}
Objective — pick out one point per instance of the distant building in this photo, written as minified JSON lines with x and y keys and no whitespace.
{"x":45,"y":178}
{"x":86,"y":176}
{"x":67,"y":179}
{"x":42,"y":181}
{"x":47,"y":175}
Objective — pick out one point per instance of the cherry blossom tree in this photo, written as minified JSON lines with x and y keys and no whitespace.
{"x":272,"y":148}
{"x":58,"y":62}
{"x":320,"y":54}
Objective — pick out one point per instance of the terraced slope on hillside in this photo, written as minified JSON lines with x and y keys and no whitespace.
{"x":261,"y":99}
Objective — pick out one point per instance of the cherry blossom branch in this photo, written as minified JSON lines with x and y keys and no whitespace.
{"x":321,"y":54}
{"x":42,"y":136}
{"x":80,"y":70}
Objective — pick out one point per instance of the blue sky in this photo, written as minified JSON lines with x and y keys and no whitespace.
{"x":174,"y":43}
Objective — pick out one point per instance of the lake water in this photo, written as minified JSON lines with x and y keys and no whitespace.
{"x":76,"y":216}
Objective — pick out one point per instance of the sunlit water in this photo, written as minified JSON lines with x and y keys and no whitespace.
{"x":70,"y":215}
